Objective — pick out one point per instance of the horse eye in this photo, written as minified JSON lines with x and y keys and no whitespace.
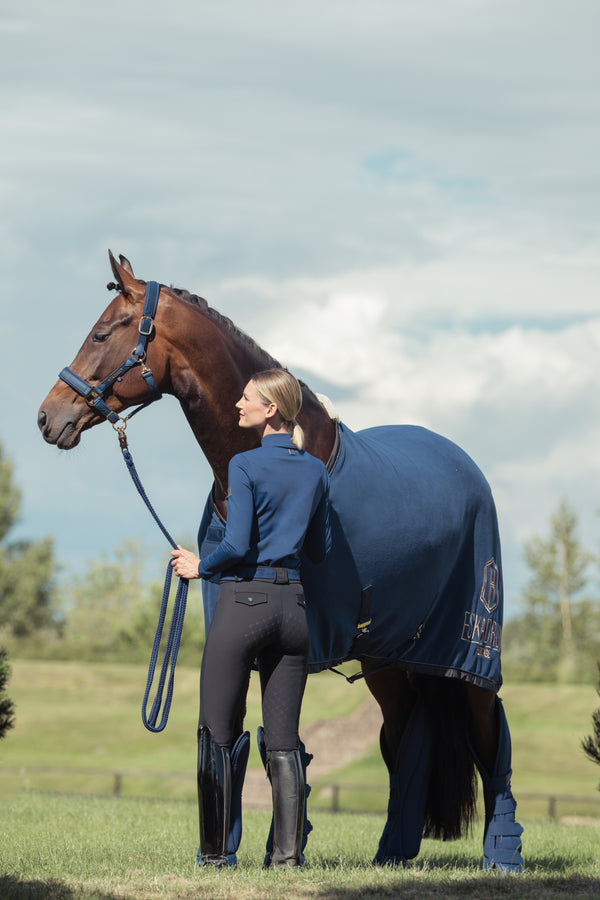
{"x":99,"y":337}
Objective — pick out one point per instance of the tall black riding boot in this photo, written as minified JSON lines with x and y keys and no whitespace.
{"x":287,"y":783}
{"x":214,"y":799}
{"x":305,"y":759}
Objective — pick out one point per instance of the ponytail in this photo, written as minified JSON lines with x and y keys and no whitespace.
{"x":297,"y":435}
{"x":279,"y":386}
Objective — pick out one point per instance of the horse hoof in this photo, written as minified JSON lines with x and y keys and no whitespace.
{"x":492,"y":865}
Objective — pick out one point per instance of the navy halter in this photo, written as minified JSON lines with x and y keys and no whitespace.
{"x":94,"y":396}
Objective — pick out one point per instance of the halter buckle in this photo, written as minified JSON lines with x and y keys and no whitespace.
{"x":146,"y":325}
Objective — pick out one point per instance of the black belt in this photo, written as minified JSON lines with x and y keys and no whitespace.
{"x":276,"y":574}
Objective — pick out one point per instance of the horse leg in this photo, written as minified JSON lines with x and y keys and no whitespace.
{"x":489,"y":739}
{"x":483,"y":731}
{"x":406,"y":747}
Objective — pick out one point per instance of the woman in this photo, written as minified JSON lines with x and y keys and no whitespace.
{"x":277,"y":507}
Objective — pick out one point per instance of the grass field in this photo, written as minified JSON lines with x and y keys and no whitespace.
{"x":62,"y":848}
{"x":87,"y":717}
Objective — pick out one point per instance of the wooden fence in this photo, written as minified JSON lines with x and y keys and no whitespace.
{"x":326,"y":795}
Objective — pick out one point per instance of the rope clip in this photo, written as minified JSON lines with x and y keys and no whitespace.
{"x":120,"y":429}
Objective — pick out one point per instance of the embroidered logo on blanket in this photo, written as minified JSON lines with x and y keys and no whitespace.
{"x":484,"y":631}
{"x":489,"y":591}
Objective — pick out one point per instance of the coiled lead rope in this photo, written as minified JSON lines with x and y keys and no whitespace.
{"x":167,"y":671}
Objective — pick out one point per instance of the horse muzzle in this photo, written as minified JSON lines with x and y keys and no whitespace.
{"x":65,"y":435}
{"x":62,"y":423}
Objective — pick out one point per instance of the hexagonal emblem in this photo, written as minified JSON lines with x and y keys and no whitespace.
{"x":490,"y":590}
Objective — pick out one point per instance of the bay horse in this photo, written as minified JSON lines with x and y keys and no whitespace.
{"x":412,"y":588}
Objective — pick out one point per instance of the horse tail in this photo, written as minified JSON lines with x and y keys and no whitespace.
{"x":452,"y":790}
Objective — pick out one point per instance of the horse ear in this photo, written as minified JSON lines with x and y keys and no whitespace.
{"x":125,"y":263}
{"x":123,"y":272}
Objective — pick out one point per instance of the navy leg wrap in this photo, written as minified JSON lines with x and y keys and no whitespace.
{"x":502,"y":835}
{"x":409,"y":782}
{"x":305,"y":759}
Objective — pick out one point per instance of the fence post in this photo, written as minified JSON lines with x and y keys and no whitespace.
{"x":117,"y":784}
{"x":335,"y":798}
{"x":552,"y":807}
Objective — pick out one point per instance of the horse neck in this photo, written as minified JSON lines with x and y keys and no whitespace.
{"x":209,"y":366}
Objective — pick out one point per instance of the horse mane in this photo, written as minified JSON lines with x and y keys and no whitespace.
{"x":269,"y":361}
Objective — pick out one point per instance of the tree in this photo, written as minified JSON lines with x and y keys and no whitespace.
{"x":26,"y":568}
{"x":557,"y":634}
{"x":6,"y":705}
{"x":591,"y":744}
{"x":111,"y":612}
{"x":101,"y":601}
{"x":10,"y":497}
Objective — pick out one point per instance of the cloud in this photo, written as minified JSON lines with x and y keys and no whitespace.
{"x":438,"y":374}
{"x":523,"y":401}
{"x":397,"y":199}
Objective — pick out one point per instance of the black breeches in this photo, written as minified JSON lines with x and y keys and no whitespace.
{"x":256,"y":620}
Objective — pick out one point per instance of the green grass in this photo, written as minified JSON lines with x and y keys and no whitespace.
{"x":88,"y":715}
{"x":64,"y":848}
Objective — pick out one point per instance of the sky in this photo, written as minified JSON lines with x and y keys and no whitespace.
{"x":397,"y":198}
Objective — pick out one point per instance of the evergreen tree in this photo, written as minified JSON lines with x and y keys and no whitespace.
{"x":591,"y":744}
{"x":556,"y":636}
{"x":6,"y":705}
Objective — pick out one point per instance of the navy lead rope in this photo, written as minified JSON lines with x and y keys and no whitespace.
{"x":94,"y":397}
{"x":174,"y":636}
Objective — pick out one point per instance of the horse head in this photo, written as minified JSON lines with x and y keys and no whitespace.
{"x":65,"y":414}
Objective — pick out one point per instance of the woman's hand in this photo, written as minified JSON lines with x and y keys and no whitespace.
{"x":185,"y":563}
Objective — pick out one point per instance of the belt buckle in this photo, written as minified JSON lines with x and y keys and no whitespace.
{"x":281,"y":576}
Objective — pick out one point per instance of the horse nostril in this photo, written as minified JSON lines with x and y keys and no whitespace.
{"x":42,"y":418}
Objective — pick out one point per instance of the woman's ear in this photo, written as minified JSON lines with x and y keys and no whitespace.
{"x":271,"y":410}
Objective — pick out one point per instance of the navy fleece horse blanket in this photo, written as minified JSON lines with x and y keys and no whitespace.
{"x":414,"y":574}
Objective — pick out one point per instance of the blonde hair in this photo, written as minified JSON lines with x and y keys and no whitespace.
{"x":279,"y":386}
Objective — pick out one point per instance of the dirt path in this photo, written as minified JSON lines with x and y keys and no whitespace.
{"x":333,"y":743}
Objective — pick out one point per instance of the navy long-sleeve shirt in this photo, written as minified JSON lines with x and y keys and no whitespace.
{"x":277,"y":506}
